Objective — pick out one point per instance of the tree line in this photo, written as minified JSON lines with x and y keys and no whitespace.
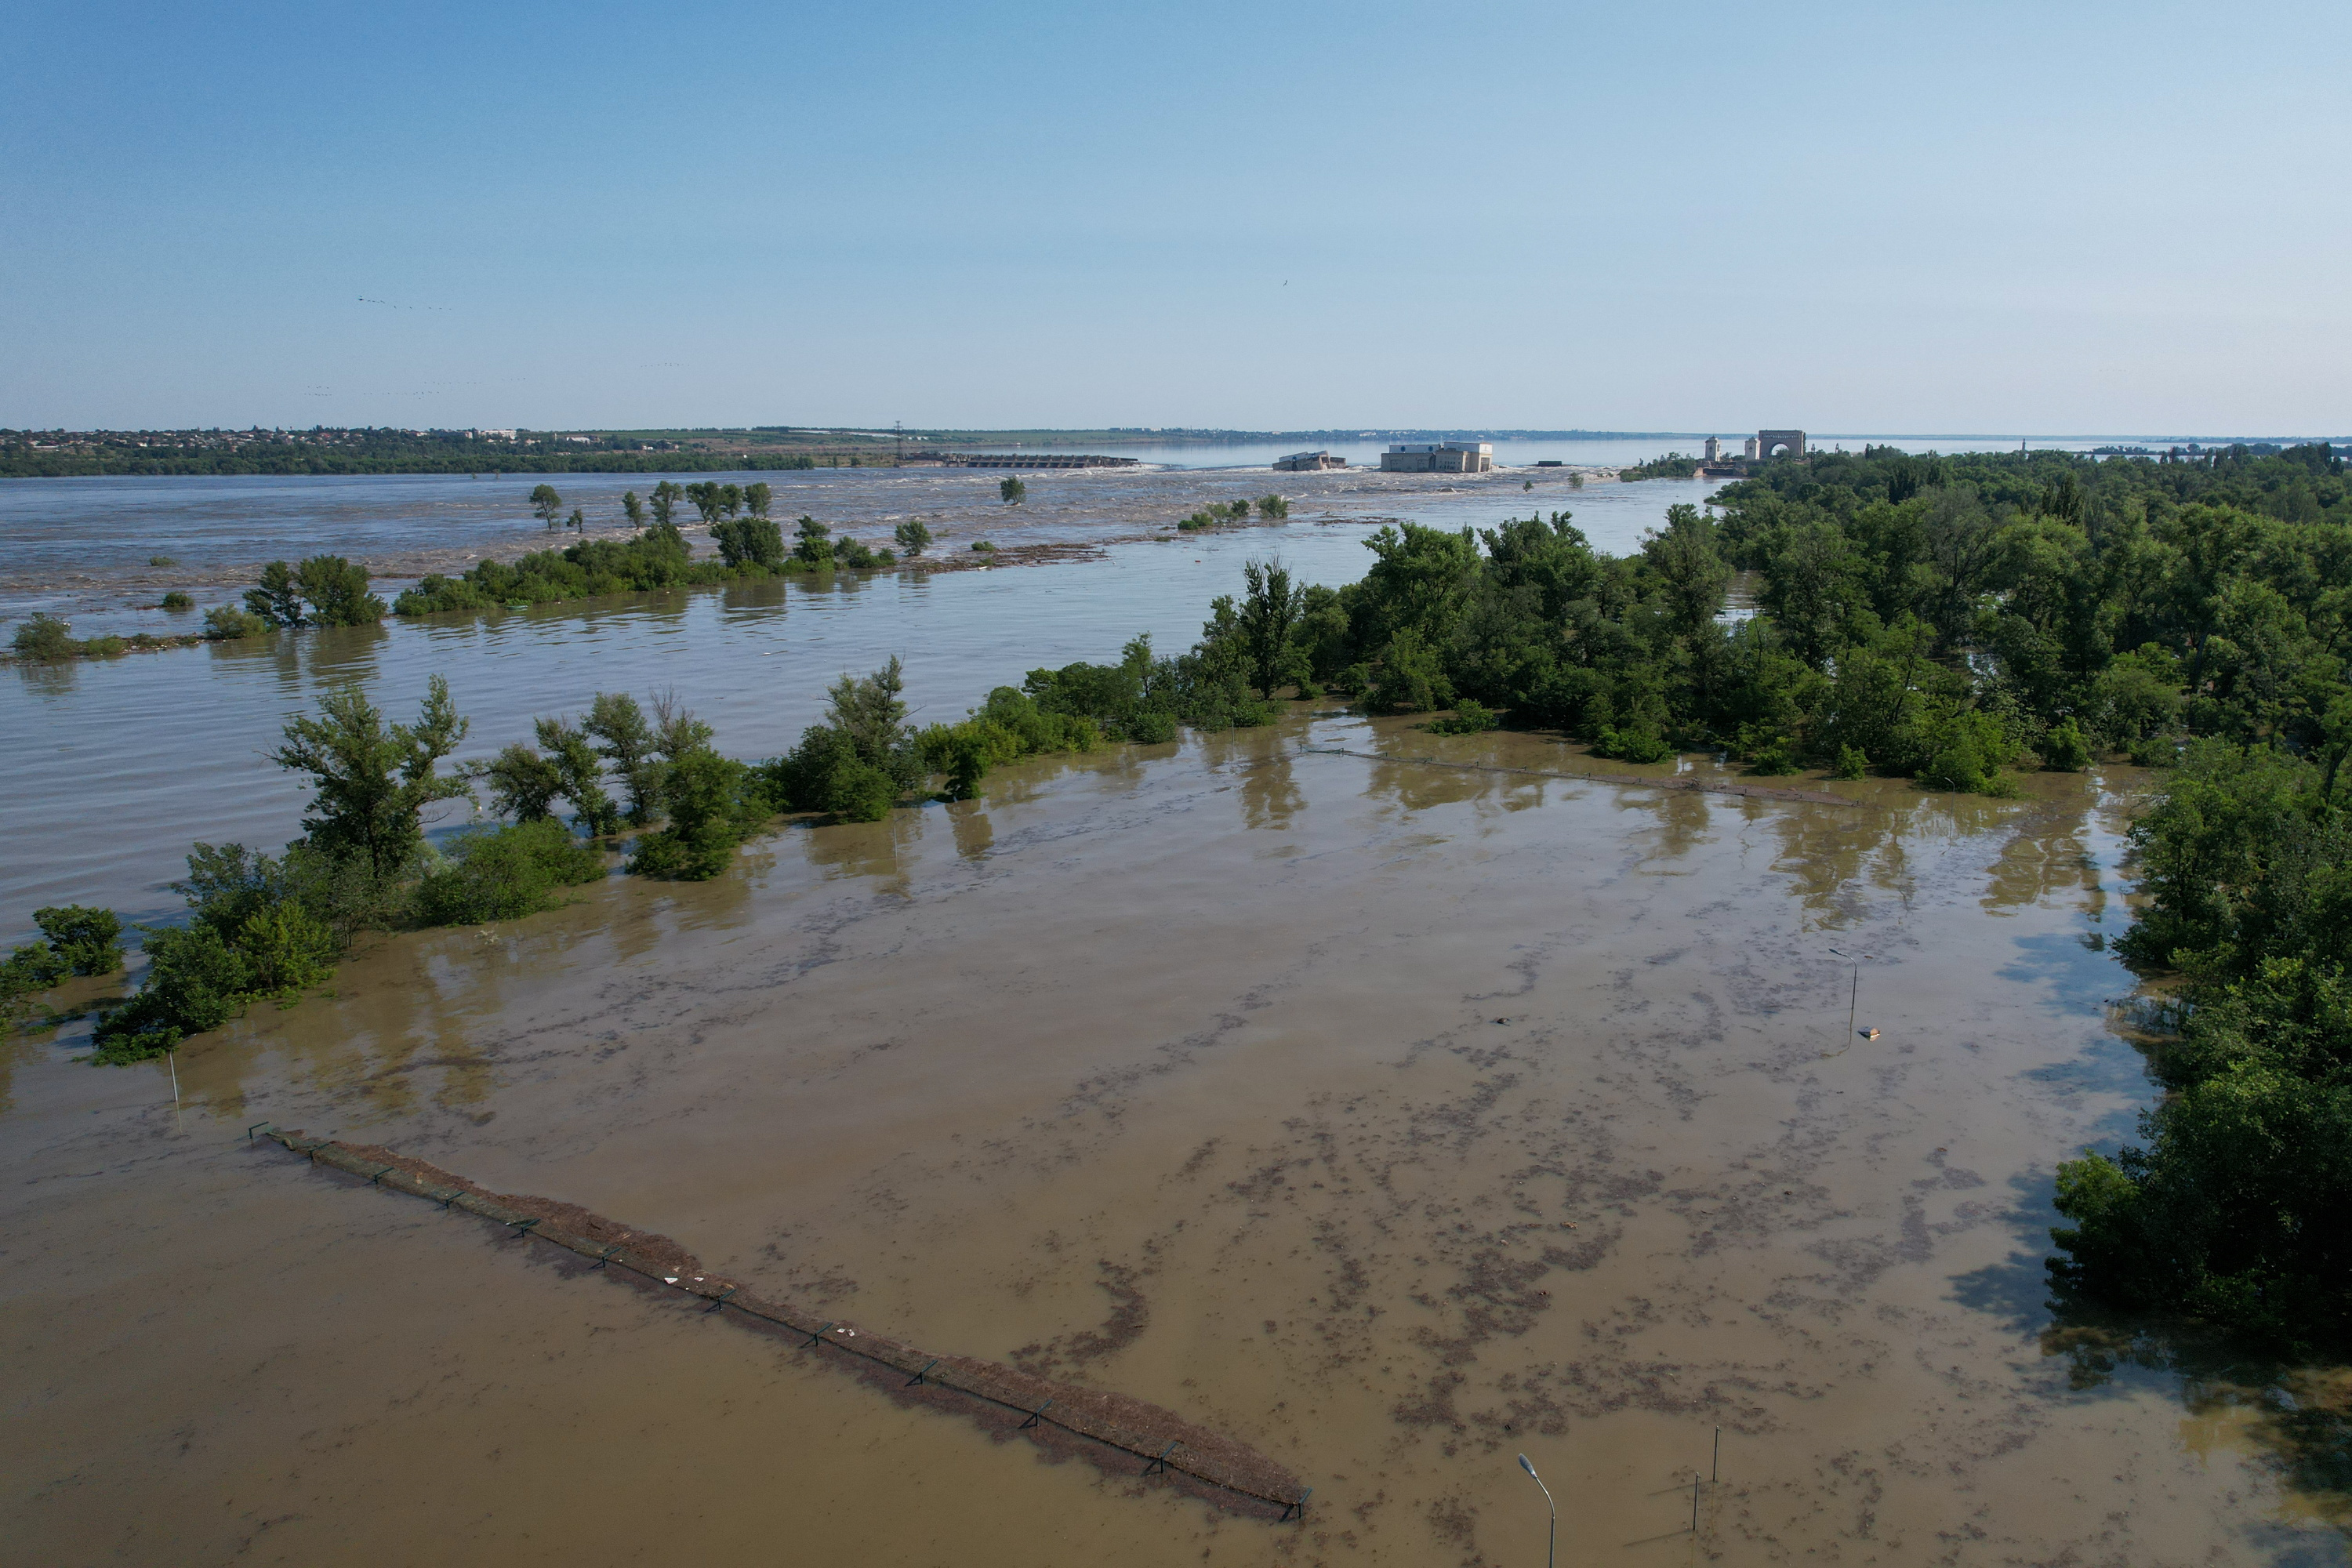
{"x":643,"y":780}
{"x":368,"y":452}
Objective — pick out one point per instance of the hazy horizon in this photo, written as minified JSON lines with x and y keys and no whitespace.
{"x":2007,"y":219}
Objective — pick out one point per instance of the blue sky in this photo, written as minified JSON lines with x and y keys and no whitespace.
{"x":2048,"y":219}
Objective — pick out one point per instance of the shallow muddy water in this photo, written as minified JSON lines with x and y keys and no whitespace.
{"x":1392,"y":1118}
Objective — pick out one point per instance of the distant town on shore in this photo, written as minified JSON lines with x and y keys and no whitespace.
{"x":63,"y":454}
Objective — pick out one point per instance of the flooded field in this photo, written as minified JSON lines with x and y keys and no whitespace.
{"x":1393,"y":1117}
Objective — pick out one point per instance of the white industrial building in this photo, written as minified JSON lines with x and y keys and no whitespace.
{"x":1439,"y":457}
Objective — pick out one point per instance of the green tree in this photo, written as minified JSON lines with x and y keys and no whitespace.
{"x":712,"y":807}
{"x":505,"y":873}
{"x":871,"y":712}
{"x":666,"y":495}
{"x":812,"y":543}
{"x":758,"y":498}
{"x":1270,"y":614}
{"x":1693,"y":574}
{"x":227,"y":623}
{"x":44,"y":637}
{"x":751,"y":542}
{"x":627,"y":743}
{"x":633,"y":509}
{"x":546,"y":504}
{"x":86,"y":940}
{"x":1011,"y":491}
{"x":276,"y":598}
{"x":337,"y":593}
{"x":580,"y":770}
{"x":912,"y":537}
{"x":371,"y":781}
{"x":1272,"y":507}
{"x":523,"y":784}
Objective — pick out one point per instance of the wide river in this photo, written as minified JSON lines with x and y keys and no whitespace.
{"x":1393,"y":1103}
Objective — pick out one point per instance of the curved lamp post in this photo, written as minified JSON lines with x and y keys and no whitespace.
{"x":1552,"y":1542}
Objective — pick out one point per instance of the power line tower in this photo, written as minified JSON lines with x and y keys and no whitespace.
{"x":898,"y":430}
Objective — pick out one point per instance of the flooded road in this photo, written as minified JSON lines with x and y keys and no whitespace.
{"x":1391,"y":1117}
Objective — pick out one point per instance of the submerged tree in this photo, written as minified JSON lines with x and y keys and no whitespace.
{"x":812,"y":544}
{"x":523,"y":784}
{"x":573,"y":754}
{"x":1011,"y":491}
{"x":324,"y":591}
{"x":371,"y":781}
{"x":1270,"y":614}
{"x":751,"y":542}
{"x":628,"y":744}
{"x":546,"y":504}
{"x":275,"y":598}
{"x":912,"y":537}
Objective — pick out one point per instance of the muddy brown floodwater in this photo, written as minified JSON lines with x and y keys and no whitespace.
{"x":1391,"y":1117}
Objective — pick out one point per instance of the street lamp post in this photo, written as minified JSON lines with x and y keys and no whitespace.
{"x":1552,"y":1542}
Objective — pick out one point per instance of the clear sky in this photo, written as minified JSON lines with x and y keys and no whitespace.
{"x":2050,"y":219}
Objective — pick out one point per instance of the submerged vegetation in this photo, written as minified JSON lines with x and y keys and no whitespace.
{"x":1673,"y":466}
{"x":2230,"y":1210}
{"x":1271,"y":509}
{"x":751,"y":549}
{"x":1942,"y":619}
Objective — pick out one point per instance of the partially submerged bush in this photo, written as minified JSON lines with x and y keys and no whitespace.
{"x":859,"y":791}
{"x":1469,"y":717}
{"x":227,"y":623}
{"x":44,"y":637}
{"x":1010,"y":725}
{"x":262,"y":927}
{"x":505,"y":873}
{"x":175,"y":601}
{"x":1975,"y":747}
{"x":30,"y":969}
{"x":86,"y":940}
{"x":1640,"y":741}
{"x":833,"y":766}
{"x":2065,"y":749}
{"x":714,"y":802}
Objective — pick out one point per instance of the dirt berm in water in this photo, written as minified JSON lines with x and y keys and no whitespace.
{"x":1169,"y":1444}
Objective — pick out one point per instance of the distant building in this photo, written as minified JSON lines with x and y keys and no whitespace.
{"x":1714,"y":449}
{"x":1766,"y":441}
{"x":1308,"y":462}
{"x":1439,"y":457}
{"x":1751,"y":449}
